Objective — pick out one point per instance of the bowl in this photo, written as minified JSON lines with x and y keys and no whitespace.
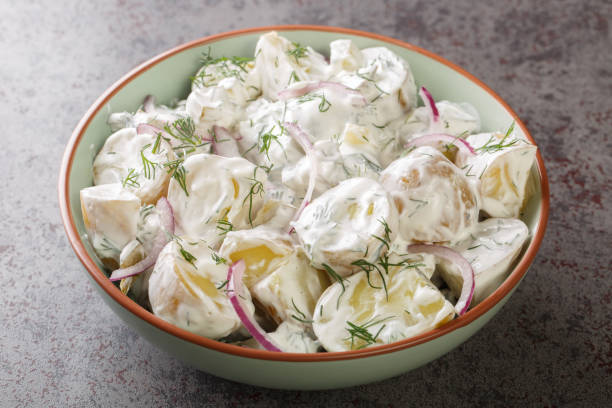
{"x":167,"y":77}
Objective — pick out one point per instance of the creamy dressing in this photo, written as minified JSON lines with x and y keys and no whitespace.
{"x":499,"y":171}
{"x":121,"y":161}
{"x":435,"y":201}
{"x":342,"y":225}
{"x":491,"y":248}
{"x":190,"y":294}
{"x":334,"y":273}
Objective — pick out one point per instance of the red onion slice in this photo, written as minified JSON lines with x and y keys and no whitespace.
{"x":161,"y":239}
{"x":146,"y":129}
{"x":430,"y":103}
{"x":148,"y":105}
{"x":467,"y":273}
{"x":302,"y":138}
{"x":234,"y":289}
{"x":224,"y":144}
{"x":295,"y":92}
{"x":432,"y":139}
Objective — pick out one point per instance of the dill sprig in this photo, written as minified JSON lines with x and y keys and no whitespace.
{"x":183,"y":129}
{"x":293,"y":77}
{"x":373,"y":82}
{"x":361,"y":332}
{"x":301,"y":316}
{"x":222,"y":284}
{"x":369,"y":267}
{"x":146,"y":210}
{"x":216,"y":258}
{"x":227,"y":67}
{"x":109,"y":246}
{"x":297,"y":52}
{"x":257,"y":188}
{"x":386,"y":239}
{"x":148,"y":166}
{"x":177,"y":171}
{"x":338,"y":278}
{"x":223,"y":225}
{"x":184,"y":253}
{"x":157,"y":144}
{"x":324,"y":105}
{"x":265,"y":139}
{"x":131,"y":179}
{"x":490,"y":147}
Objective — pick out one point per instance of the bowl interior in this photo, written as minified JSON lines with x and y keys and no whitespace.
{"x":168,"y":79}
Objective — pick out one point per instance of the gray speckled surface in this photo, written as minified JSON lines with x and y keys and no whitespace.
{"x":551,"y":345}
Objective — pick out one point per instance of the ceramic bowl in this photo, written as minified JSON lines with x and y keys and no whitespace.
{"x":167,"y":77}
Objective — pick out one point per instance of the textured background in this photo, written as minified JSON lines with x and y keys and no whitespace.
{"x":551,"y":345}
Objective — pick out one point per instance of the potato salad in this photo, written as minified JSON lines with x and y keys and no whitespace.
{"x":301,"y":202}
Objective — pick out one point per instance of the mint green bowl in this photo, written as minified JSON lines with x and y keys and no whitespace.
{"x":167,"y":78}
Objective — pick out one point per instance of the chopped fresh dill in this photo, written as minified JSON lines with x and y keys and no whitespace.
{"x":148,"y":166}
{"x":324,"y":104}
{"x":297,"y":52}
{"x":293,"y":78}
{"x":490,"y":147}
{"x":420,"y":204}
{"x":377,"y":97}
{"x":361,"y":332}
{"x":227,"y":67}
{"x":301,"y":316}
{"x":380,"y":126}
{"x":223,"y":225}
{"x":157,"y":144}
{"x":381,"y":91}
{"x":257,"y":188}
{"x":183,"y":129}
{"x":146,"y":210}
{"x":265,"y":139}
{"x":186,"y":255}
{"x":483,"y":171}
{"x":369,"y":267}
{"x":387,"y":234}
{"x":109,"y":246}
{"x":467,"y":173}
{"x":338,"y":278}
{"x":131,"y":179}
{"x":375,"y":167}
{"x":216,"y":258}
{"x":177,"y":171}
{"x":222,"y":284}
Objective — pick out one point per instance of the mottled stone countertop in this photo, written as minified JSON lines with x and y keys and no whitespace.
{"x":551,"y":345}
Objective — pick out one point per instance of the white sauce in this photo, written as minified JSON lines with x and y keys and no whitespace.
{"x":372,"y":197}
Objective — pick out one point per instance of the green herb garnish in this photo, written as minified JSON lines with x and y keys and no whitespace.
{"x":131,"y":179}
{"x":361,"y":332}
{"x":301,"y":317}
{"x":297,"y":52}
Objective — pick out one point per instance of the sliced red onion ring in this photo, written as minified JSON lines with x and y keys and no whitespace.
{"x":146,"y":129}
{"x":295,"y":92}
{"x":467,"y":273}
{"x":430,"y":103}
{"x":302,"y":138}
{"x":224,"y":144}
{"x":148,"y":105}
{"x":432,"y":139}
{"x":161,"y":239}
{"x":234,"y":289}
